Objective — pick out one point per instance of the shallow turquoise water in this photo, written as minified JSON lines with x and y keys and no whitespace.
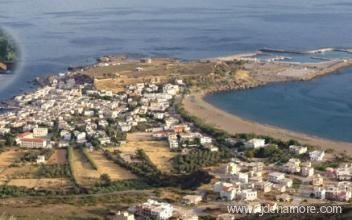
{"x":321,"y":107}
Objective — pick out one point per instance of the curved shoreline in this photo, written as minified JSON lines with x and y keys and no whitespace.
{"x":197,"y":106}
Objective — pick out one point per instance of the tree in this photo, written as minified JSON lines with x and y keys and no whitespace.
{"x":105,"y":180}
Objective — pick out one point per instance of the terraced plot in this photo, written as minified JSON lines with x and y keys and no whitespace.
{"x":158,"y":152}
{"x":48,"y":183}
{"x":58,"y":157}
{"x":106,"y":166}
{"x":83,"y":171}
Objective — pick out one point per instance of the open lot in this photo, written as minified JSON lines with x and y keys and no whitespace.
{"x":106,"y":166}
{"x":158,"y":151}
{"x":114,"y":78}
{"x":48,"y":183}
{"x":58,"y":157}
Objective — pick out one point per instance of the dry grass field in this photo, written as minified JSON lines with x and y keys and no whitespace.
{"x":114,"y":78}
{"x":58,"y":157}
{"x":10,"y":156}
{"x":158,"y":151}
{"x":6,"y":159}
{"x":48,"y":183}
{"x":106,"y":166}
{"x":85,"y":174}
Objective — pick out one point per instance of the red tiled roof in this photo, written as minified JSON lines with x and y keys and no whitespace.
{"x":37,"y":140}
{"x":24,"y":134}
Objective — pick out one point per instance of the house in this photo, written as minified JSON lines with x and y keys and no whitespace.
{"x":264,"y":186}
{"x":173,"y":141}
{"x":319,"y":192}
{"x":276,"y":177}
{"x":120,"y":216}
{"x":65,"y":135}
{"x":171,"y":89}
{"x":248,"y":194}
{"x":307,"y":171}
{"x":317,"y":180}
{"x":298,"y":149}
{"x":192,"y":199}
{"x":226,"y":190}
{"x":41,"y":159}
{"x":255,"y":143}
{"x":231,"y":168}
{"x":343,"y":174}
{"x":211,"y":147}
{"x":279,"y":187}
{"x":205,"y":140}
{"x":286,"y":182}
{"x":155,"y":210}
{"x":81,"y":137}
{"x":316,"y":155}
{"x":242,"y":177}
{"x":292,"y":166}
{"x":40,"y":132}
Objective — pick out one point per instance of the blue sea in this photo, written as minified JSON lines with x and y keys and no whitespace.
{"x":53,"y":35}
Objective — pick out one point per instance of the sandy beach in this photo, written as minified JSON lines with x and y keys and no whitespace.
{"x":197,"y":106}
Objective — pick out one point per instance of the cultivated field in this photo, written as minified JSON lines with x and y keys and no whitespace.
{"x":158,"y":151}
{"x":58,"y":157}
{"x":106,"y":166}
{"x":48,"y":183}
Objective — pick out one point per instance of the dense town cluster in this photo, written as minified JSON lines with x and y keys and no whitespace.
{"x":70,"y":113}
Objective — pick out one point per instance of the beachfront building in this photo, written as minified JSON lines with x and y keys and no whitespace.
{"x":316,"y":155}
{"x":298,"y":149}
{"x":255,"y":143}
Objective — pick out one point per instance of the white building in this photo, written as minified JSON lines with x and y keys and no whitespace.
{"x":319,"y":192}
{"x":173,"y":142}
{"x":41,"y":159}
{"x":40,"y":132}
{"x":298,"y":149}
{"x":255,"y":143}
{"x":307,"y":171}
{"x":316,"y":155}
{"x":155,"y":209}
{"x":249,"y":194}
{"x":231,"y":168}
{"x":276,"y":177}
